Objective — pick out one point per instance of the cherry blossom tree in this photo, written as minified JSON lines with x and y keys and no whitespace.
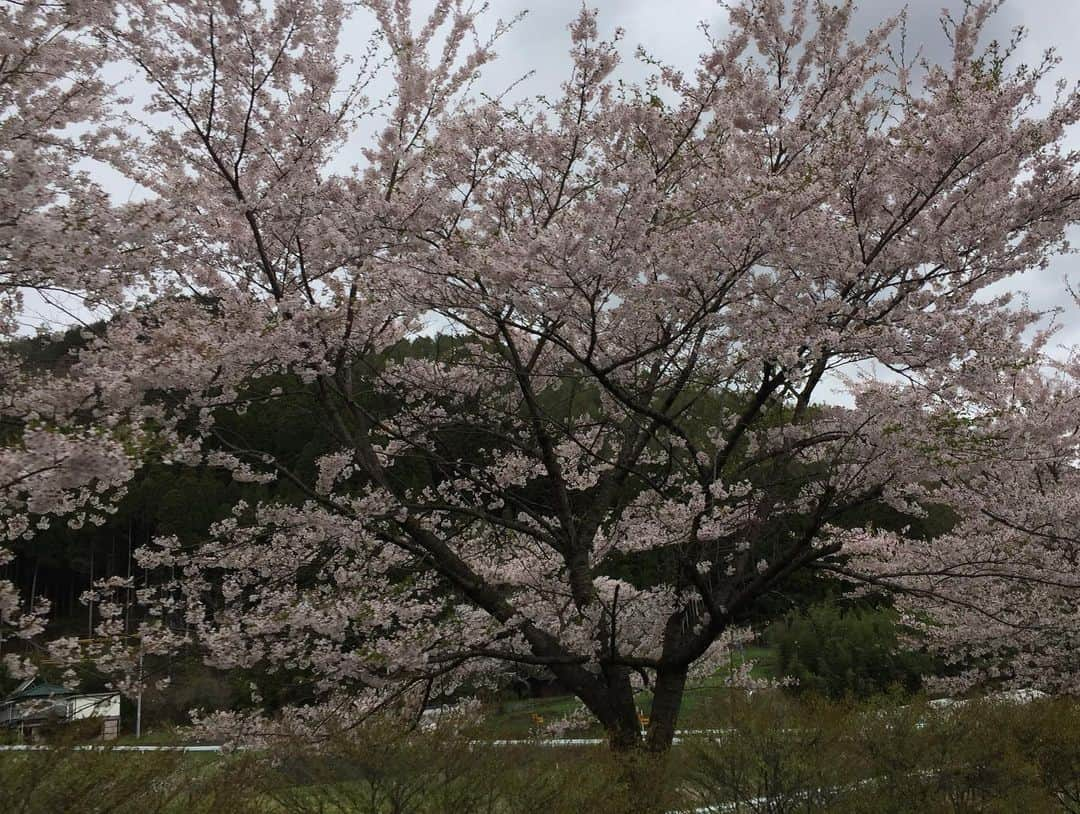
{"x":997,"y":595}
{"x":62,"y":245}
{"x":616,"y":447}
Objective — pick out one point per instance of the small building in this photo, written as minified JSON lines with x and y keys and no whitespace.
{"x":36,"y":703}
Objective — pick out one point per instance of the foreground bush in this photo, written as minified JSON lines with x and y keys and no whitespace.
{"x":773,"y":754}
{"x":989,"y":756}
{"x":448,"y":772}
{"x":88,"y":782}
{"x":379,"y":770}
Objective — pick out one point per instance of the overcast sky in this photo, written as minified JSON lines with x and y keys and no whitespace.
{"x":668,"y":30}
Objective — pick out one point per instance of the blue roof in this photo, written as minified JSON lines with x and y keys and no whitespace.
{"x":36,"y":688}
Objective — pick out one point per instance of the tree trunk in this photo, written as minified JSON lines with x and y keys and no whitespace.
{"x":624,"y":734}
{"x":624,"y":728}
{"x":641,"y":763}
{"x":667,"y":700}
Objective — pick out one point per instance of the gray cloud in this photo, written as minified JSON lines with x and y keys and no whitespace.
{"x":669,"y":31}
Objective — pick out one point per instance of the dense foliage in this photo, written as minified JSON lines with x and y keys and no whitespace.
{"x":839,"y":652}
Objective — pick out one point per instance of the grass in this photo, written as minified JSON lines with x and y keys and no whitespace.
{"x":524,"y":718}
{"x":702,"y":702}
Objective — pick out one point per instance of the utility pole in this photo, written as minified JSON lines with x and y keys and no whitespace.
{"x":90,"y":604}
{"x":138,"y":698}
{"x":130,"y":587}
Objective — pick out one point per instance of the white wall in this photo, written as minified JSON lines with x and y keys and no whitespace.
{"x":98,"y":705}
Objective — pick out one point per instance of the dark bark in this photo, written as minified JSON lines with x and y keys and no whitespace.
{"x":667,"y":700}
{"x":624,"y":734}
{"x":612,"y":702}
{"x":642,"y":762}
{"x":645,"y":784}
{"x":621,"y":692}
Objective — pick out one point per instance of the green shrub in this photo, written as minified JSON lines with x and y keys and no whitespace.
{"x":781,"y":756}
{"x":789,"y":755}
{"x":838,"y":652}
{"x":966,"y":758}
{"x":382,"y":771}
{"x":776,"y":753}
{"x":1048,"y":732}
{"x":62,"y":780}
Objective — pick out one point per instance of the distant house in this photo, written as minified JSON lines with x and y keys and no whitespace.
{"x":35,"y":703}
